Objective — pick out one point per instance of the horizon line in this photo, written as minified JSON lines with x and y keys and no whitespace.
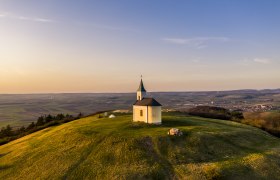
{"x":135,"y":91}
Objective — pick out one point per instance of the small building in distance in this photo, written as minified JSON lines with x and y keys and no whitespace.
{"x":146,"y":109}
{"x":112,"y":116}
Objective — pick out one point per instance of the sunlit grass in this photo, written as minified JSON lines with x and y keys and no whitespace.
{"x":117,"y":148}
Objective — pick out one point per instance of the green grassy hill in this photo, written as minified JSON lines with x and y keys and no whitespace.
{"x":116,"y":148}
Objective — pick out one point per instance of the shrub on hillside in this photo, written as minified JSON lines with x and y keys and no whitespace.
{"x":215,"y":112}
{"x":268,"y":121}
{"x":6,"y":131}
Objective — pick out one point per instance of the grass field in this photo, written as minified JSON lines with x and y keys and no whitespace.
{"x":119,"y":149}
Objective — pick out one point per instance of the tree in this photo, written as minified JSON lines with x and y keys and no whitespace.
{"x":6,"y":132}
{"x":19,"y":131}
{"x":40,"y":121}
{"x":2,"y":132}
{"x":60,"y":116}
{"x":79,"y":115}
{"x":31,"y":126}
{"x":49,"y":118}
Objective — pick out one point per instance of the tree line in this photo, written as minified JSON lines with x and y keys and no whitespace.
{"x":216,"y":113}
{"x":8,"y":133}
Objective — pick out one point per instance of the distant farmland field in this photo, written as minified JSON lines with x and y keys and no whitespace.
{"x":18,"y":110}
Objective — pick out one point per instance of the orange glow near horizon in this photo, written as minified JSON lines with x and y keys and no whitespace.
{"x":43,"y":51}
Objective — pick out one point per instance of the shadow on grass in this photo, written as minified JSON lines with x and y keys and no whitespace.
{"x":2,"y":155}
{"x":140,"y":125}
{"x":4,"y":167}
{"x":165,"y":167}
{"x":165,"y":123}
{"x":177,"y":122}
{"x":84,"y":156}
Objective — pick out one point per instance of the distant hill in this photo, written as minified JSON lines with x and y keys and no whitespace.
{"x":22,"y":109}
{"x":116,"y":148}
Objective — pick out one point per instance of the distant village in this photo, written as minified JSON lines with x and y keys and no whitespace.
{"x":242,"y":106}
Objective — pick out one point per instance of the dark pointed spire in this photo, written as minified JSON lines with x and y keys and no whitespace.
{"x":141,"y":86}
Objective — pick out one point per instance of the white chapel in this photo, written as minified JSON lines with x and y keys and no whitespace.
{"x":146,"y":109}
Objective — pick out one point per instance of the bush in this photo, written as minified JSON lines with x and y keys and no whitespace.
{"x":268,"y":121}
{"x":210,"y":112}
{"x":215,"y":112}
{"x":6,"y":131}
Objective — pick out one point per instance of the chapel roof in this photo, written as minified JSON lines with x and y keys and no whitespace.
{"x":147,"y":102}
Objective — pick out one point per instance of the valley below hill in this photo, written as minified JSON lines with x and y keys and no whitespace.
{"x":21,"y":109}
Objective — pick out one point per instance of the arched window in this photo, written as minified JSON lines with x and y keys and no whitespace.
{"x":141,"y":112}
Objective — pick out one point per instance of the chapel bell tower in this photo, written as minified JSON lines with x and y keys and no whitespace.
{"x":141,"y":91}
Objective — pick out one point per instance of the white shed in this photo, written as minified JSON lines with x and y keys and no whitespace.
{"x":112,"y":116}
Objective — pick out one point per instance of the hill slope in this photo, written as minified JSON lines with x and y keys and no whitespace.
{"x":116,"y":148}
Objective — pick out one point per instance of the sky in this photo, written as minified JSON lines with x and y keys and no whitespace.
{"x":71,"y":46}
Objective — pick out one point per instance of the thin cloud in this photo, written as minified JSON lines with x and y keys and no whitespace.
{"x":42,"y":20}
{"x":262,"y":60}
{"x":244,"y":62}
{"x":197,"y":60}
{"x":25,"y":18}
{"x":247,"y":61}
{"x":107,"y":27}
{"x":197,"y":42}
